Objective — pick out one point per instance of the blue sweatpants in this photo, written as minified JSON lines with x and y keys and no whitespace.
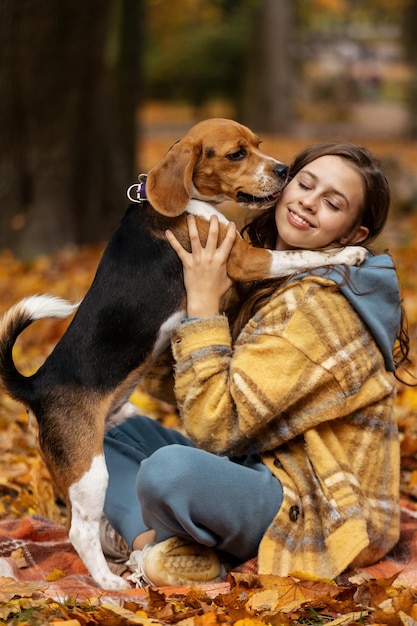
{"x":159,"y":480}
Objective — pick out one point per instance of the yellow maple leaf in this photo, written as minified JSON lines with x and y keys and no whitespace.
{"x":306,"y":576}
{"x":56,"y":574}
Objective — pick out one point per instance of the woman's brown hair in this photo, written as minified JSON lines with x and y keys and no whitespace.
{"x":262,"y":231}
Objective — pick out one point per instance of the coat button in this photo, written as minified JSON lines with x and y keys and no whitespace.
{"x":294,"y":513}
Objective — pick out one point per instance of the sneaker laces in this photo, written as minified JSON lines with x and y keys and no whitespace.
{"x":136,"y":564}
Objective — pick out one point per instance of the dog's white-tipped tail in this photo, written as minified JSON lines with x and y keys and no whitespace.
{"x":13,"y":322}
{"x":39,"y":307}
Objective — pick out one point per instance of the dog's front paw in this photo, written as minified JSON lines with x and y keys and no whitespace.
{"x":112,"y":582}
{"x":351,"y":255}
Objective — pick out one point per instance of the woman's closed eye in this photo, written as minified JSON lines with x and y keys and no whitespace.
{"x":333,"y":205}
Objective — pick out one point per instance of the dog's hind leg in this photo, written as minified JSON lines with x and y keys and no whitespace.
{"x":86,"y":498}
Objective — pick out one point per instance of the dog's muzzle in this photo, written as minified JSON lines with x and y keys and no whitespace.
{"x":281,"y":171}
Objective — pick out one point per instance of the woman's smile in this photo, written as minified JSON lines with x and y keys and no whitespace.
{"x":298,"y":220}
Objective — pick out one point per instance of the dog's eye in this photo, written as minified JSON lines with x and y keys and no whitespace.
{"x":237,"y":156}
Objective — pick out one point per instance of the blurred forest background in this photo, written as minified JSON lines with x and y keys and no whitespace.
{"x":93,"y":92}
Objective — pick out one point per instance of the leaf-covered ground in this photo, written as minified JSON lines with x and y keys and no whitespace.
{"x":252,"y":601}
{"x":25,"y":485}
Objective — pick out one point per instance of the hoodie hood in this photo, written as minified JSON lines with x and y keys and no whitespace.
{"x":373,"y":291}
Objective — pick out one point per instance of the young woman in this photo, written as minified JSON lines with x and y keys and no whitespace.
{"x":292,"y":450}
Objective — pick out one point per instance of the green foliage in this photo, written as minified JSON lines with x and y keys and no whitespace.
{"x":197,"y":49}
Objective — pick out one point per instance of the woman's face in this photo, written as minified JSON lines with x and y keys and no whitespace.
{"x":320,"y":206}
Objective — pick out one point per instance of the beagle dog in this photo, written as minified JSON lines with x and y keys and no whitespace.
{"x":137,"y":297}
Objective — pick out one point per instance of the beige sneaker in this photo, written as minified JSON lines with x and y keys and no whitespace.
{"x":174,"y":561}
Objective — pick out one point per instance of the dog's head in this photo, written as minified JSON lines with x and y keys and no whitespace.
{"x":217,"y":160}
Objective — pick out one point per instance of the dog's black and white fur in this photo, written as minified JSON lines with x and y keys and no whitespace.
{"x":126,"y":318}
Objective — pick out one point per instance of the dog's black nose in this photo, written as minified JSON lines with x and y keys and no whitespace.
{"x":281,"y":170}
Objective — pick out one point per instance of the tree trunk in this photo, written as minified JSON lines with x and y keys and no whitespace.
{"x":63,"y":165}
{"x":269,"y":92}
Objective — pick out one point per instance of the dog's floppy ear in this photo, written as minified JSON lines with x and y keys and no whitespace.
{"x":168,"y":185}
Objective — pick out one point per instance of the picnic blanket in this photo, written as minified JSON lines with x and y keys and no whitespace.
{"x":36,"y":549}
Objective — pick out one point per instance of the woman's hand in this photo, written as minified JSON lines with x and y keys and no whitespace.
{"x":205,"y":272}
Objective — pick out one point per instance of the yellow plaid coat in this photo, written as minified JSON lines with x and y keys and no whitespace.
{"x":304,"y":386}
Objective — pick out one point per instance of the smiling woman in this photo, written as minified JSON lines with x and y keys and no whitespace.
{"x":321,"y":206}
{"x":292,"y":449}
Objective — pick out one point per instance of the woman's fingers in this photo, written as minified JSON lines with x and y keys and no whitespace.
{"x":229,"y":239}
{"x":193,"y":233}
{"x":176,"y":245}
{"x":213,"y":233}
{"x":205,"y":267}
{"x":212,"y":238}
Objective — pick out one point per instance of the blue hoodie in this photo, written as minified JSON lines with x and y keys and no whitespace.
{"x":373,"y":291}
